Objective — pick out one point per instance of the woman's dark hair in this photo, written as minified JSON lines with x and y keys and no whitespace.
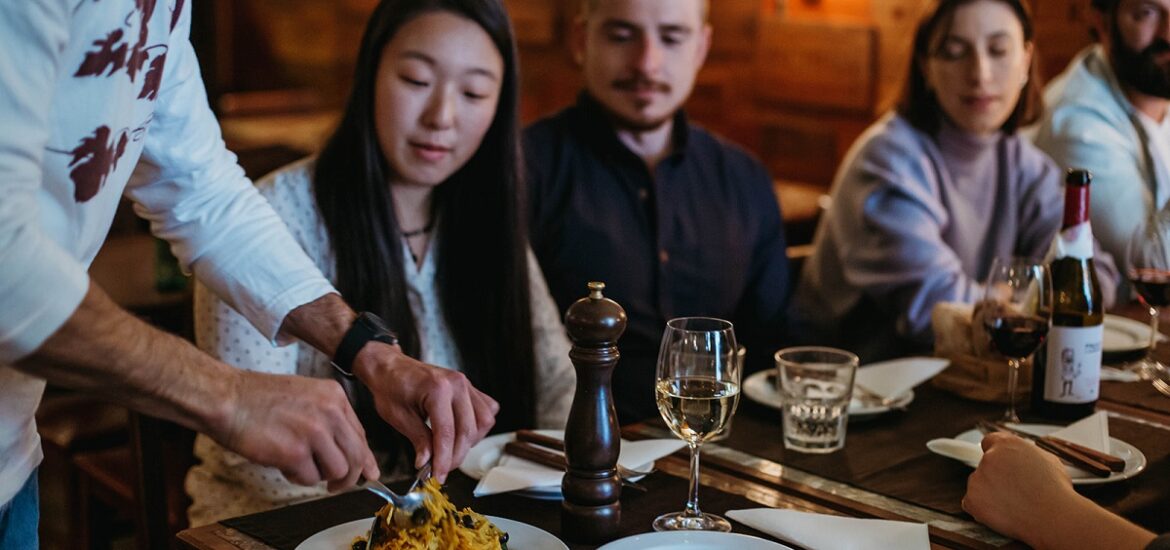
{"x":481,"y":253}
{"x":919,"y":105}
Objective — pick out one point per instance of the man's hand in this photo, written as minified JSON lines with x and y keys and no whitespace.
{"x":1025,"y":493}
{"x":1014,"y":484}
{"x":305,"y":427}
{"x":408,"y":392}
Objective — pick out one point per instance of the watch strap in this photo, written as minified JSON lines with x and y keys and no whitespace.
{"x":365,"y":328}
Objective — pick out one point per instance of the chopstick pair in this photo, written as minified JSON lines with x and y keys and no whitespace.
{"x":533,"y":446}
{"x":1090,"y":460}
{"x":530,"y":445}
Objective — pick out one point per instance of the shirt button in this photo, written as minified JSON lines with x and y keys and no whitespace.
{"x":643,"y":194}
{"x":663,"y":256}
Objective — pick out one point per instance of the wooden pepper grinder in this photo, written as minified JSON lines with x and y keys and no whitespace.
{"x":590,"y":512}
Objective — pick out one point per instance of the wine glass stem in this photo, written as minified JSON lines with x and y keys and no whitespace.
{"x":1013,"y":380}
{"x":1153,"y":331}
{"x":693,"y":498}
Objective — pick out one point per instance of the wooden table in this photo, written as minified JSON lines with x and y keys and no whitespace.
{"x":884,"y":472}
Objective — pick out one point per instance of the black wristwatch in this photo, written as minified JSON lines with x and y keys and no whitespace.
{"x":366,"y":327}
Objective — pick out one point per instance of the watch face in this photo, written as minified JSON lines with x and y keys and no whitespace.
{"x":377,"y":325}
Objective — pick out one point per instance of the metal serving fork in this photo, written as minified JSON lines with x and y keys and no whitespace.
{"x":409,"y":509}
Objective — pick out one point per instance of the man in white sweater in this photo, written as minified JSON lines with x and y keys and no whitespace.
{"x":1107,"y":113}
{"x":104,"y":99}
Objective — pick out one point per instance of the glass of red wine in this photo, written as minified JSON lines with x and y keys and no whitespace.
{"x":1149,"y":271}
{"x":1017,"y":309}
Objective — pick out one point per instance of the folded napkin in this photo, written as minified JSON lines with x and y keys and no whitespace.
{"x":1091,"y":431}
{"x":513,"y":473}
{"x":824,"y":532}
{"x":1113,"y":374}
{"x":893,"y":378}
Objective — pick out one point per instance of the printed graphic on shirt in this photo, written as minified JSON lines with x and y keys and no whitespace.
{"x":153,"y":78}
{"x":94,"y":159}
{"x":176,"y":13}
{"x":97,"y":154}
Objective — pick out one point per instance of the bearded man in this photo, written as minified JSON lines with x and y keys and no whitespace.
{"x":625,"y":190}
{"x":1108,"y":114}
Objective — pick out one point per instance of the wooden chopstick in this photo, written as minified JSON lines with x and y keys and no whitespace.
{"x":1114,"y":463}
{"x":528,"y":445}
{"x":531,"y":452}
{"x":1078,"y":459}
{"x":1062,"y":451}
{"x":540,"y":439}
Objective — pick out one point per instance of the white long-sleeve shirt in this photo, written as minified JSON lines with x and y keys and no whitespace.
{"x":1091,"y":124}
{"x":100,"y":100}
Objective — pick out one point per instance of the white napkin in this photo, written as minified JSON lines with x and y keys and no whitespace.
{"x":893,"y":378}
{"x":512,"y":473}
{"x":1091,"y":431}
{"x":1113,"y":374}
{"x":824,"y":532}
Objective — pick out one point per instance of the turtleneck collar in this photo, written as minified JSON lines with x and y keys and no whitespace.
{"x":959,"y":143}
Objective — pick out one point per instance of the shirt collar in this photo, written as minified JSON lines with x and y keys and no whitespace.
{"x":599,"y":129}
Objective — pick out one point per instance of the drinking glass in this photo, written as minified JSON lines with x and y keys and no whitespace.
{"x":1149,"y":271}
{"x":1017,"y":310}
{"x":815,"y":384}
{"x":697,"y":390}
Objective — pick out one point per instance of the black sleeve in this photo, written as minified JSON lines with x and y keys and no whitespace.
{"x":1160,"y":543}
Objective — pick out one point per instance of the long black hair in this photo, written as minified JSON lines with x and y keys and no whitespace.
{"x":918,"y":104}
{"x":481,"y":254}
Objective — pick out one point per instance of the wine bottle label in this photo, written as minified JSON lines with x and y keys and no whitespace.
{"x":1074,"y":242}
{"x":1074,"y":364}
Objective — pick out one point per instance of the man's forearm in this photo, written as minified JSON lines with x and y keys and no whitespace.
{"x":104,"y":349}
{"x":321,"y":323}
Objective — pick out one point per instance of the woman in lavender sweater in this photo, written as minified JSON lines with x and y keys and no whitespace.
{"x":932,"y":193}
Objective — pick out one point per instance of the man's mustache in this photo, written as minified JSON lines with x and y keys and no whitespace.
{"x":1158,"y":47}
{"x":638,"y":82}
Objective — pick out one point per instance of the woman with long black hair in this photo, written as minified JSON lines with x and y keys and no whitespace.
{"x":414,"y":209}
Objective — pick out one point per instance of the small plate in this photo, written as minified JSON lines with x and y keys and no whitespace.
{"x":485,"y":454}
{"x":692,"y":540}
{"x":1135,"y":461}
{"x":1125,"y":336}
{"x":521,"y":536}
{"x":760,"y":389}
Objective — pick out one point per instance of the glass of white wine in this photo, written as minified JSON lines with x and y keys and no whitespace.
{"x":697,"y":390}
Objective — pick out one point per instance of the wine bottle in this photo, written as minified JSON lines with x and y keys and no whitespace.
{"x":1067,"y":370}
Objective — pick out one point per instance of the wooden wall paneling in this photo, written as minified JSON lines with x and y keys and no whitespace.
{"x":735,"y":24}
{"x":803,"y":145}
{"x":536,"y":22}
{"x":896,"y":21}
{"x":549,"y":81}
{"x":1062,"y":30}
{"x":718,"y":101}
{"x":817,"y":64}
{"x":857,"y":11}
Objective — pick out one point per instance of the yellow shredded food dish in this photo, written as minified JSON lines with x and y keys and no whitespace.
{"x":444,"y":528}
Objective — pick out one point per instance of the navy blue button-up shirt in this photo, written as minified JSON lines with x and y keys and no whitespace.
{"x":700,"y":236}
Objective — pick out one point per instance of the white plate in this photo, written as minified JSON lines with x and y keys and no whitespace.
{"x":521,"y":536}
{"x":485,"y":454}
{"x":1123,"y":335}
{"x":1135,"y":461}
{"x":760,"y":389}
{"x":693,"y":540}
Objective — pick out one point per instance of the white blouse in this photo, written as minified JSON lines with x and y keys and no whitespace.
{"x":225,"y":484}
